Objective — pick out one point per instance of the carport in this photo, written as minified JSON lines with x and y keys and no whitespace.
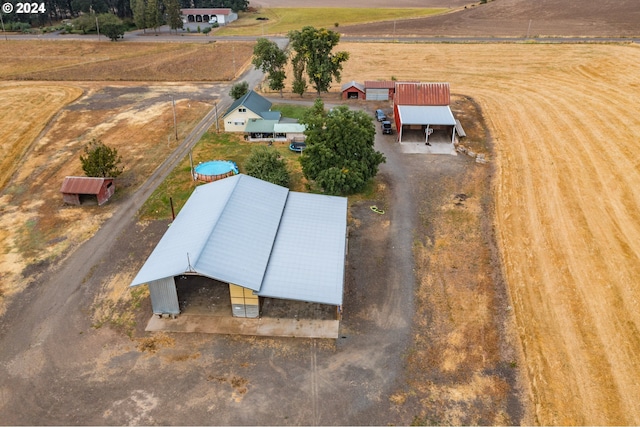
{"x":428,"y":124}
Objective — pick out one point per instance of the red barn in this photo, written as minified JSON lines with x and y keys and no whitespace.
{"x":78,"y":189}
{"x":352,"y":90}
{"x":422,"y":114}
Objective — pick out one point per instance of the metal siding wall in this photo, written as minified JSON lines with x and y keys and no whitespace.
{"x":164,"y":297}
{"x":377,"y":94}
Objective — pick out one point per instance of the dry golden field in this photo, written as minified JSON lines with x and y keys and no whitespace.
{"x":37,"y":228}
{"x":565,"y":124}
{"x":102,"y":61}
{"x":42,"y":137}
{"x":25,"y":111}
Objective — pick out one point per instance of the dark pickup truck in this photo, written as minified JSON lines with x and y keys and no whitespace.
{"x":386,"y":127}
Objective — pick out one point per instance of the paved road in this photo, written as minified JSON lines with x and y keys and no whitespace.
{"x":164,"y":37}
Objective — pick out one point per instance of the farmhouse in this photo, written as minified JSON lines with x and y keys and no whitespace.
{"x":353,"y":90}
{"x":256,"y":239}
{"x":422,"y":113}
{"x":220,"y":16}
{"x":252,"y":115}
{"x":77,"y":190}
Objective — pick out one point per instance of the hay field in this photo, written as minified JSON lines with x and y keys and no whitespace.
{"x":101,"y":61}
{"x":25,"y":110}
{"x":565,"y":126}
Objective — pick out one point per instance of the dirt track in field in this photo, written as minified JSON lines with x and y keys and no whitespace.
{"x":567,"y":206}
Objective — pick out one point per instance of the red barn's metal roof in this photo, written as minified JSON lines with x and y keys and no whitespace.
{"x":422,"y":94}
{"x":82,"y":185}
{"x":379,"y":84}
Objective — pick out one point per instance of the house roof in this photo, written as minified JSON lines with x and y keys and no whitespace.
{"x":426,"y":115}
{"x":422,"y":94}
{"x":269,"y":126}
{"x":251,"y":101}
{"x":260,"y":126}
{"x":355,"y":84}
{"x":205,"y":11}
{"x":286,"y":127}
{"x":260,"y":236}
{"x":82,"y":185}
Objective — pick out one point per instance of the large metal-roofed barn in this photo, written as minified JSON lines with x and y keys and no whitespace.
{"x":422,"y":113}
{"x":260,"y":238}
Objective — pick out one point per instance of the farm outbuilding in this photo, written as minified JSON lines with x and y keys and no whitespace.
{"x":220,"y":16}
{"x":353,"y":90}
{"x":422,"y":113}
{"x":77,"y":190}
{"x":256,"y":238}
{"x":379,"y":90}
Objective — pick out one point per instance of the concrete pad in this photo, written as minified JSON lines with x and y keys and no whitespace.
{"x":422,"y":148}
{"x":265,"y":326}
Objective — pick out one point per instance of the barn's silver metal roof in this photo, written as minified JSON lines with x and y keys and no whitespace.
{"x":257,"y":235}
{"x":425,"y":115}
{"x":307,"y":260}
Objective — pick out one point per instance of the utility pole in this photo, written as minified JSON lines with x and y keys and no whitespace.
{"x":217,"y":126}
{"x":528,"y":28}
{"x":175,"y":123}
{"x":233,"y":50}
{"x":3,"y":30}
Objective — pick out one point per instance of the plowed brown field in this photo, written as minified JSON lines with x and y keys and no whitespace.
{"x":565,"y":124}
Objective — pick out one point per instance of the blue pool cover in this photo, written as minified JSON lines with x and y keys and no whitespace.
{"x":216,"y":167}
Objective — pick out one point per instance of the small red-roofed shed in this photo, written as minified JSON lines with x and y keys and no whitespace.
{"x":77,"y":190}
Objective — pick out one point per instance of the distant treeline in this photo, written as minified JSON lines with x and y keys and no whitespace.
{"x":56,"y":10}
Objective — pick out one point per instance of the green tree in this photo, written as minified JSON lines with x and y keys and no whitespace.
{"x":111,"y":26}
{"x":299,"y":82}
{"x":313,"y":50}
{"x":85,"y":23}
{"x":239,"y":90}
{"x":270,"y":59}
{"x":152,"y":15}
{"x":339,"y":157}
{"x":267,"y":164}
{"x":100,"y":161}
{"x":172,"y":9}
{"x":139,"y":9}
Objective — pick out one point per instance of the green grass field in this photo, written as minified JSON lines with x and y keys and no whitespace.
{"x":282,"y":20}
{"x":224,"y":146}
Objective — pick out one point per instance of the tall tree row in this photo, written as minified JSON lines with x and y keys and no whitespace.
{"x":312,"y":57}
{"x":313,"y":52}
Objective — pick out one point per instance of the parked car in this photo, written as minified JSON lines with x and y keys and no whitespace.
{"x":386,"y":127}
{"x":297,"y":146}
{"x":380,"y":116}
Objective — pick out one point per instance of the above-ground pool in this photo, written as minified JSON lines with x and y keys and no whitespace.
{"x":214,"y":170}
